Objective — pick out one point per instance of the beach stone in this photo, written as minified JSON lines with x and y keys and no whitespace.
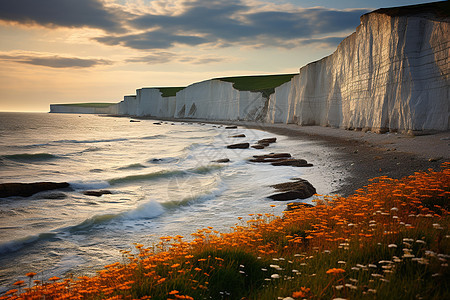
{"x":264,"y":144}
{"x":239,"y":146}
{"x":223,"y":160}
{"x":134,"y":121}
{"x":273,"y":155}
{"x":96,"y":193}
{"x":292,"y":162}
{"x":29,"y":189}
{"x":157,"y":123}
{"x":231,"y":127}
{"x":238,"y":136}
{"x":299,"y":189}
{"x":267,"y":140}
{"x":297,"y":205}
{"x":258,"y":146}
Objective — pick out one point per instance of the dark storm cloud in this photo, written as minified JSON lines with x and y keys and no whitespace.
{"x":64,"y":13}
{"x":158,"y":39}
{"x":231,"y":22}
{"x":55,"y":61}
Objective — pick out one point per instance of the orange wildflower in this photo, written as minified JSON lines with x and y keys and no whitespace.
{"x":335,"y":271}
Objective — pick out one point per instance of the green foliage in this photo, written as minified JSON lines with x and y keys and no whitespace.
{"x":259,"y":83}
{"x":169,"y":91}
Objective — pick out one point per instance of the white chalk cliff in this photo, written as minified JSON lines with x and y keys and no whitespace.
{"x":391,"y":74}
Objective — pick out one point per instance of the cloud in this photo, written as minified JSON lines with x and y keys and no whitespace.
{"x":54,"y":61}
{"x":165,"y":57}
{"x":64,"y":13}
{"x":157,"y":39}
{"x":234,"y":22}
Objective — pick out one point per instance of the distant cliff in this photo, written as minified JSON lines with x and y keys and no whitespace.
{"x":391,"y":74}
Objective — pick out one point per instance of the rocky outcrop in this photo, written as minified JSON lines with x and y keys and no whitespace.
{"x":29,"y":189}
{"x":298,"y":189}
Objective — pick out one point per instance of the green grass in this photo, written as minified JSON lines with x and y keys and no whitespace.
{"x":258,"y":83}
{"x":170,"y":91}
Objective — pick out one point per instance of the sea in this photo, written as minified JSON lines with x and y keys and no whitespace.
{"x":163,"y":180}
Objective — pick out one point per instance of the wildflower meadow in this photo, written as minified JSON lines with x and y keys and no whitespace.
{"x":389,"y":240}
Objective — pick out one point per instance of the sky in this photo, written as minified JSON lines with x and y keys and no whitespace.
{"x":71,"y":51}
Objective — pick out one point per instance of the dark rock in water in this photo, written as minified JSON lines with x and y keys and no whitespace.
{"x":231,"y":127}
{"x":267,"y":140}
{"x":134,"y":121}
{"x":238,"y":136}
{"x":264,"y":144}
{"x":28,"y":189}
{"x":291,"y":162}
{"x":157,"y":123}
{"x":96,"y":193}
{"x":223,"y":160}
{"x":239,"y":146}
{"x":273,"y":155}
{"x":298,"y":205}
{"x":299,"y":189}
{"x":258,"y":146}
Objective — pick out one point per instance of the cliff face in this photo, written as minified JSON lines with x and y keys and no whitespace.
{"x":218,"y":100}
{"x":391,"y":74}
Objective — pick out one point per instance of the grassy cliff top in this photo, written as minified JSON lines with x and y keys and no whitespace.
{"x":100,"y":104}
{"x":170,"y":91}
{"x":258,"y":83}
{"x":440,"y":9}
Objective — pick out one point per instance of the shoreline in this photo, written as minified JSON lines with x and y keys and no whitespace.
{"x":363,"y":155}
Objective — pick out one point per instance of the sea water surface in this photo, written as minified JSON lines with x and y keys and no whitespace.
{"x":163,"y":181}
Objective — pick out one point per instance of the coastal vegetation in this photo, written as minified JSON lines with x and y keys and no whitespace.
{"x":258,"y":83}
{"x":170,"y":91}
{"x":389,"y":240}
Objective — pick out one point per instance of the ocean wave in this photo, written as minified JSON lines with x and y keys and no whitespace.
{"x":163,"y":174}
{"x":15,"y":245}
{"x":30,"y":157}
{"x":89,"y":141}
{"x":131,"y":167}
{"x":203,"y":197}
{"x":93,"y":221}
{"x":148,"y":210}
{"x":153,"y":137}
{"x":89,"y":185}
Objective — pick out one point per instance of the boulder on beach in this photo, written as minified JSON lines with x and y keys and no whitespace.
{"x":239,"y":146}
{"x":273,"y":155}
{"x":238,"y":136}
{"x":231,"y":127}
{"x":299,"y":189}
{"x":223,"y":160}
{"x":291,"y":162}
{"x":258,"y":146}
{"x":267,"y":140}
{"x":29,"y":189}
{"x":97,"y":193}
